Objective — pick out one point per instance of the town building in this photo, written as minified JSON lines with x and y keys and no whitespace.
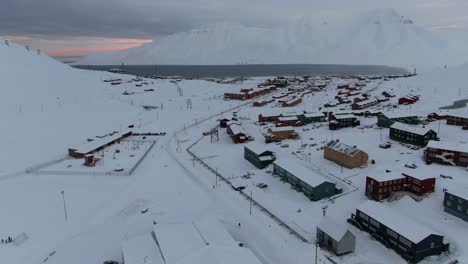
{"x":268,"y":118}
{"x":223,"y":123}
{"x":312,"y":118}
{"x":345,"y":155}
{"x":237,"y":134}
{"x":312,"y":184}
{"x":364,"y":104}
{"x":98,"y":144}
{"x":447,"y":153}
{"x":278,"y":134}
{"x":414,"y":135}
{"x":342,"y":121}
{"x":284,"y":121}
{"x":141,"y":249}
{"x":457,"y":120}
{"x":456,"y":202}
{"x":385,"y":183}
{"x":413,"y":241}
{"x":292,"y":102}
{"x":409,"y":99}
{"x":199,"y":242}
{"x":335,"y":237}
{"x":258,"y":156}
{"x":389,"y":118}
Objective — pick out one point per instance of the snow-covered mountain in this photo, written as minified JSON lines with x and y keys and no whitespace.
{"x":379,"y":37}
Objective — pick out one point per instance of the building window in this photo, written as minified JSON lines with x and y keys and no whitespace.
{"x":385,"y":189}
{"x":380,"y":190}
{"x":380,"y":184}
{"x":432,"y":245}
{"x":392,"y":233}
{"x":363,"y":216}
{"x":405,"y":241}
{"x":449,"y":203}
{"x":460,"y":208}
{"x":374,"y":223}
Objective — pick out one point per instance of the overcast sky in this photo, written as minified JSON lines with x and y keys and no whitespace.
{"x":64,"y":27}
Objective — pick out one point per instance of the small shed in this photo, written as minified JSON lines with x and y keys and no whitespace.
{"x":258,"y":156}
{"x":335,"y":237}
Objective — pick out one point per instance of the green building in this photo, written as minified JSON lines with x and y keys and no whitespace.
{"x":311,"y":118}
{"x":312,"y":184}
{"x":414,"y":135}
{"x":258,"y":156}
{"x":388,"y":119}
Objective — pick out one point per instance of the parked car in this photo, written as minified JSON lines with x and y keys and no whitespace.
{"x":262,"y":185}
{"x":385,"y":145}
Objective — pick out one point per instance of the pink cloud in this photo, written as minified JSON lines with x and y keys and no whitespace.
{"x":111,"y":45}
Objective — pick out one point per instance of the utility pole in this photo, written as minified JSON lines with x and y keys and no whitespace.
{"x":251,"y":202}
{"x":316,"y":251}
{"x":64,"y":206}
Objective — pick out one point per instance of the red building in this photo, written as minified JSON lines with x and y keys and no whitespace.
{"x":288,"y":121}
{"x":447,"y":153}
{"x":457,"y":120}
{"x":262,"y":103}
{"x":382,"y":186}
{"x":237,"y":134}
{"x":292,"y":102}
{"x":409,"y":99}
{"x":364,"y":104}
{"x":268,"y":118}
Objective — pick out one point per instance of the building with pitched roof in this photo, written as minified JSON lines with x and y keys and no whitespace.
{"x":414,"y":135}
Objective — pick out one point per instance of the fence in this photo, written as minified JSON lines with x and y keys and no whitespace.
{"x":246,"y":196}
{"x":37,"y":169}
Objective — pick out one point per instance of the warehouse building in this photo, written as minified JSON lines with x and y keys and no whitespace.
{"x":457,"y":120}
{"x":413,"y":241}
{"x":414,"y":135}
{"x":342,"y":121}
{"x":258,"y":156}
{"x":312,"y":184}
{"x":345,"y":155}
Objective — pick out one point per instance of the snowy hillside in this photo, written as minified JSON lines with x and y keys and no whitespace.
{"x":45,"y":104}
{"x":378,"y":37}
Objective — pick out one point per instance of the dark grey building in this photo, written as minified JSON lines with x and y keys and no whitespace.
{"x":258,"y":156}
{"x":412,"y":240}
{"x":414,"y":135}
{"x":456,"y":202}
{"x":312,"y":184}
{"x":335,"y":237}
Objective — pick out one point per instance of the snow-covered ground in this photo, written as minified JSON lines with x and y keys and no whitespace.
{"x":47,"y":107}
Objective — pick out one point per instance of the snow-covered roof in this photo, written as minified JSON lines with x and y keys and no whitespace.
{"x":332,"y":228}
{"x":141,"y":250}
{"x":293,"y":100}
{"x":451,"y":146}
{"x":179,"y":240}
{"x":287,"y":118}
{"x":281,"y":129}
{"x":418,"y":130}
{"x":395,"y":220}
{"x":398,"y":114}
{"x":418,"y":173}
{"x":301,"y":172}
{"x":460,"y":191}
{"x":342,"y":147}
{"x":236,"y":129}
{"x":312,"y":115}
{"x":366,"y":102}
{"x":220,"y":255}
{"x":98,"y":142}
{"x":383,"y":175}
{"x":256,"y":147}
{"x":266,"y":158}
{"x":348,"y":116}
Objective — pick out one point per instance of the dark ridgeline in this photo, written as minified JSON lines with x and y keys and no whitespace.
{"x":251,"y":70}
